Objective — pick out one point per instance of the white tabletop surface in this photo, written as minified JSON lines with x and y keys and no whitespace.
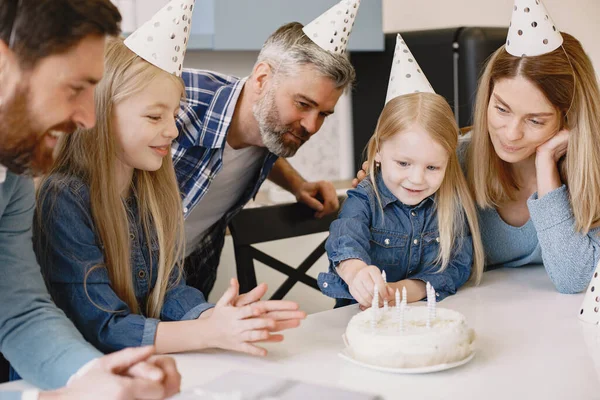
{"x":530,"y":345}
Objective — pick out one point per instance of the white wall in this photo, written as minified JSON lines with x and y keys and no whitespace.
{"x":577,"y":17}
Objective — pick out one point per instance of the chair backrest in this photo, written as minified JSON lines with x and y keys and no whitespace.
{"x":265,"y":224}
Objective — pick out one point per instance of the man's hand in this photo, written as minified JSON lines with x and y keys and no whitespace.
{"x":127,"y":374}
{"x":360,"y":175}
{"x":309,"y":193}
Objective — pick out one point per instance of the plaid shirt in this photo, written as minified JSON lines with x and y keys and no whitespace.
{"x":197,"y":153}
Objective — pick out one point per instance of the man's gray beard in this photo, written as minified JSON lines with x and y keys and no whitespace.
{"x":271,"y":131}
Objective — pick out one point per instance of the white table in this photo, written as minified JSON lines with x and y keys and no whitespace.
{"x":530,"y":345}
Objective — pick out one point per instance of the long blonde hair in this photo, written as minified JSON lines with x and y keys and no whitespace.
{"x":91,"y":155}
{"x":566,"y":77}
{"x":453,"y":199}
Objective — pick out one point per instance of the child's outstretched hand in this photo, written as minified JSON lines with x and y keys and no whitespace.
{"x":238,"y":328}
{"x":285,"y":313}
{"x":361,"y":285}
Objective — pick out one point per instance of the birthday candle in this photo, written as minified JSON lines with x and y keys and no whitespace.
{"x":430,"y":304}
{"x":402,"y":309}
{"x":397,"y":300}
{"x":404,"y":301}
{"x":374,"y":306}
{"x":433,"y":302}
{"x":385,"y":302}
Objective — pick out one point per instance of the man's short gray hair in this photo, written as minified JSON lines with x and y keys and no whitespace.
{"x":289,"y":48}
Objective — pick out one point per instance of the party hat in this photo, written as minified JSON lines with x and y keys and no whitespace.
{"x":332,"y":29}
{"x":590,"y":308}
{"x":163,"y":40}
{"x":406,"y":76}
{"x":532,"y":31}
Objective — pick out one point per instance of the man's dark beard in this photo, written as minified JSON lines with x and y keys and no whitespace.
{"x":22,"y":147}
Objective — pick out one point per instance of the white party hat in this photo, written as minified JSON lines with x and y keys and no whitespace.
{"x":332,"y":29}
{"x":406,"y":76}
{"x":163,"y":40}
{"x":590,"y":308}
{"x":532,"y":31}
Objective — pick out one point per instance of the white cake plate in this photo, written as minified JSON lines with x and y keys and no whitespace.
{"x":346,"y":355}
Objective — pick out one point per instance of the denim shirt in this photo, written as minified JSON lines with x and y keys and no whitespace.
{"x":403,"y":241}
{"x":70,"y":251}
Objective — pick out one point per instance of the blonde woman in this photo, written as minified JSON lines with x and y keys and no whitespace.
{"x":109,"y":228}
{"x":533,"y":162}
{"x":413,"y":217}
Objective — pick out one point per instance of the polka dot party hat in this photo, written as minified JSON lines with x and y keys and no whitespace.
{"x":590,"y":308}
{"x":406,"y":76}
{"x":163,"y":40}
{"x":532,"y":31}
{"x":332,"y":29}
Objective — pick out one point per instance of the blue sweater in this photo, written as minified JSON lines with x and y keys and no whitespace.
{"x":548,"y":237}
{"x":35,"y":336}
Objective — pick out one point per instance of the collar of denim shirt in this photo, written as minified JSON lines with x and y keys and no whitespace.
{"x":388,"y":197}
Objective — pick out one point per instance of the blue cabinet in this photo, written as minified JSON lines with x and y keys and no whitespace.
{"x":245,"y":24}
{"x":203,"y":26}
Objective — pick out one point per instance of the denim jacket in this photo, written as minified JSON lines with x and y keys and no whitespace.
{"x":403,"y":241}
{"x":68,"y":248}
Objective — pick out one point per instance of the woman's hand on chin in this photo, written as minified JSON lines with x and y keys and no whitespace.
{"x":554,"y":148}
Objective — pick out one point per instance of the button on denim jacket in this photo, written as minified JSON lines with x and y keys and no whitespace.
{"x":68,"y":248}
{"x":402,"y":240}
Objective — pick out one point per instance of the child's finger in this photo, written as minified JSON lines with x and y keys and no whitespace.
{"x":230,"y":294}
{"x":257,"y":323}
{"x":391,"y":293}
{"x":251,"y":349}
{"x":251,"y":310}
{"x":279,"y":305}
{"x":381,"y":285}
{"x":285,"y":315}
{"x":283,"y":325}
{"x":363,"y":293}
{"x":272,"y":339}
{"x":255,"y":335}
{"x":252,"y":296}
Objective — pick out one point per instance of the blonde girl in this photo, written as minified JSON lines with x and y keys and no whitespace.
{"x":109,"y":228}
{"x":413,"y":217}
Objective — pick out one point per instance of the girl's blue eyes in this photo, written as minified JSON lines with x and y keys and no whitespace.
{"x":405,"y":164}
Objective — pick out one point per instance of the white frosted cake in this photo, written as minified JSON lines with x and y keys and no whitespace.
{"x":384,"y":344}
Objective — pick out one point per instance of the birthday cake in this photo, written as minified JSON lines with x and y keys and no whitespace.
{"x":383,"y":337}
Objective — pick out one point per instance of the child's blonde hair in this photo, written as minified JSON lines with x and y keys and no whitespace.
{"x":566,"y":77}
{"x":453,"y":200}
{"x":91,"y":155}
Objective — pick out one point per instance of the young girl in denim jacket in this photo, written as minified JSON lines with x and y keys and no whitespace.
{"x":109,"y":229}
{"x":413,"y":217}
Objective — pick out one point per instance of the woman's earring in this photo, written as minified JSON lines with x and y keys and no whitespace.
{"x":377,"y":164}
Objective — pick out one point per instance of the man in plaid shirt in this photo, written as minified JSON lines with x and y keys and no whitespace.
{"x":235,"y":133}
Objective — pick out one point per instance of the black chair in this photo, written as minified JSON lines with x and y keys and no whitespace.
{"x":4,"y":369}
{"x":265,"y":224}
